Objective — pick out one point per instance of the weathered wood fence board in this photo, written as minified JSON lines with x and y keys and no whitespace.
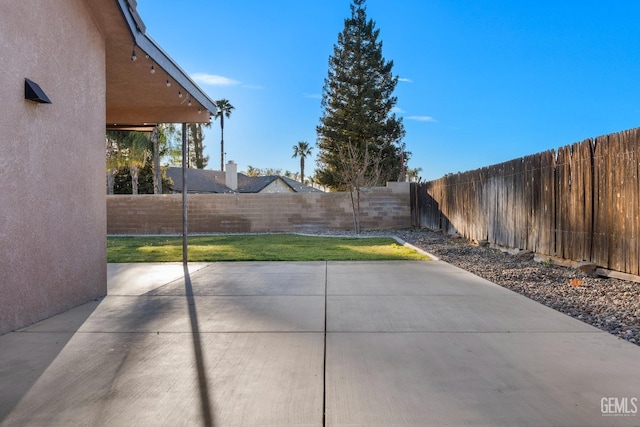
{"x":581,"y":202}
{"x":574,"y":209}
{"x":602,"y":202}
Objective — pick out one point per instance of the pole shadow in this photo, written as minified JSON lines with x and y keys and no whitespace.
{"x":203,"y":383}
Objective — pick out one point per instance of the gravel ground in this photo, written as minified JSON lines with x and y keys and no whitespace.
{"x":609,"y":304}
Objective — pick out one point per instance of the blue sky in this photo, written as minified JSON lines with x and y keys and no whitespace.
{"x":483,"y":81}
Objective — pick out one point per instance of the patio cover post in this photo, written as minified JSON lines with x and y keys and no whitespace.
{"x":185,"y":245}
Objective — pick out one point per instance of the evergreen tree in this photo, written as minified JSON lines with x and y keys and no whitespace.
{"x":195,"y":139}
{"x":357,"y":100}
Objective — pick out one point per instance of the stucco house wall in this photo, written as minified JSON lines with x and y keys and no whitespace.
{"x":52,"y":203}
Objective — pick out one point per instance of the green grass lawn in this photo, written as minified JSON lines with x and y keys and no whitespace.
{"x":262,"y":247}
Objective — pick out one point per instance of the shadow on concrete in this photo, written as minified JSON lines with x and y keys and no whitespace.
{"x":26,"y":354}
{"x":203,"y":383}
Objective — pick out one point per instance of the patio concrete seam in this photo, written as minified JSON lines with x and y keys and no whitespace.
{"x":232,"y":295}
{"x":471,"y":332}
{"x":421,"y":296}
{"x":324,"y":362}
{"x":309,"y":332}
{"x":181,"y":332}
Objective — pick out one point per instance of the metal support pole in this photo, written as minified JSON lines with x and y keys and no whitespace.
{"x":185,"y":245}
{"x":157,"y":173}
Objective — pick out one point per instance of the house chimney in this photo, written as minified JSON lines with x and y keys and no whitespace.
{"x":232,"y":175}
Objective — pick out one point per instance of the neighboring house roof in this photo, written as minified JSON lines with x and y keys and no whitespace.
{"x":135,"y":97}
{"x":210,"y":181}
{"x":299,"y":187}
{"x":198,"y":181}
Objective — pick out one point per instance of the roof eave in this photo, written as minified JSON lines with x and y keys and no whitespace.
{"x":160,"y":57}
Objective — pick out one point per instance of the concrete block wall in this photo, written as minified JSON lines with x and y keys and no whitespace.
{"x":382,"y":208}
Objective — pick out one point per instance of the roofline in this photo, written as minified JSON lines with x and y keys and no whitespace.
{"x":281,"y":178}
{"x":160,"y":57}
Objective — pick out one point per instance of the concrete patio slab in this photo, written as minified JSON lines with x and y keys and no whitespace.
{"x":407,"y":278}
{"x":446,"y":313}
{"x":278,"y":344}
{"x":139,"y":278}
{"x":149,"y":379}
{"x":70,"y":321}
{"x":254,"y":278}
{"x":431,"y":297}
{"x":214,"y":314}
{"x":477,"y":379}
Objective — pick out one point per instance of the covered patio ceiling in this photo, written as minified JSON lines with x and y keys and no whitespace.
{"x":136,"y":97}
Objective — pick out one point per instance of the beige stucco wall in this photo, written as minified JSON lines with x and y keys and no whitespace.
{"x":52,"y":203}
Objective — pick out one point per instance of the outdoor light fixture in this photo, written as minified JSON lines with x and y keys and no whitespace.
{"x":34,"y":93}
{"x":153,"y":69}
{"x":179,"y":94}
{"x":133,"y":54}
{"x":189,"y":103}
{"x":199,"y":110}
{"x":168,"y":83}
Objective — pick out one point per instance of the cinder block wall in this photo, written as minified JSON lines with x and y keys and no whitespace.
{"x":382,"y":208}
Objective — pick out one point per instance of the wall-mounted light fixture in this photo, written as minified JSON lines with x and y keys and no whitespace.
{"x":133,"y":53}
{"x":33,"y":92}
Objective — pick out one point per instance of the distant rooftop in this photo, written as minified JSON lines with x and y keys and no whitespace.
{"x":212,"y":181}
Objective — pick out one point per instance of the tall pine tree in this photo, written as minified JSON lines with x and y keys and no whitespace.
{"x":357,"y":123}
{"x":197,"y":159}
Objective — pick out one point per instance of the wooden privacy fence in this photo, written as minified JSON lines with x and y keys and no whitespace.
{"x":580,"y":203}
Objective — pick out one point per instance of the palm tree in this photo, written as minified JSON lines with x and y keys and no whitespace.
{"x":115,"y":158}
{"x":251,"y":171}
{"x":138,"y":151}
{"x":414,"y":174}
{"x":302,"y":150}
{"x":127,"y":149}
{"x":224,"y":110}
